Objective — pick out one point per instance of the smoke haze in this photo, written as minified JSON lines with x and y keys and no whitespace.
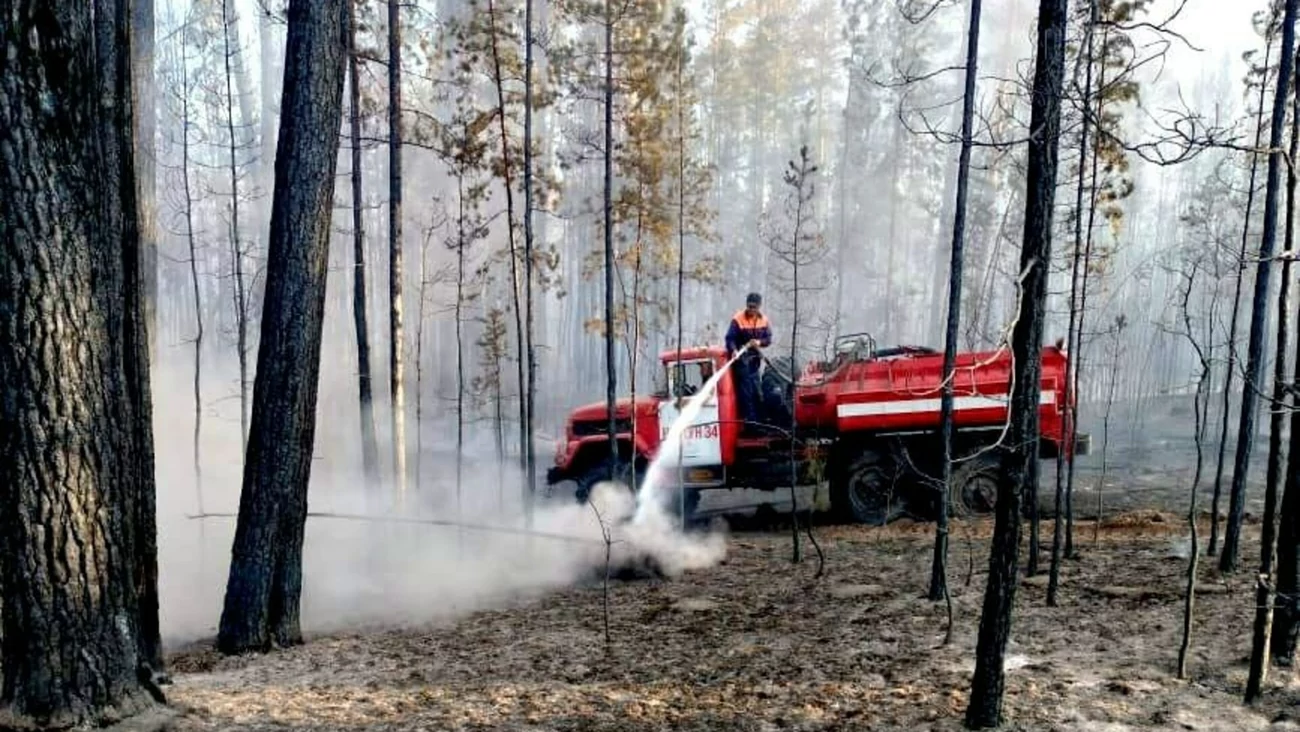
{"x":368,"y":573}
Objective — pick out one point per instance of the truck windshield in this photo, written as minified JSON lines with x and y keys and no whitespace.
{"x":687,"y":377}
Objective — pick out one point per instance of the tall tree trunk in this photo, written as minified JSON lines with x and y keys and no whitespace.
{"x":681,"y":272}
{"x":146,"y":160}
{"x":395,"y":271}
{"x":1260,"y":642}
{"x":498,"y":81}
{"x":365,"y":393}
{"x":611,"y":375}
{"x":236,"y":241}
{"x":530,"y":397}
{"x":461,"y":241}
{"x":1259,"y":311}
{"x":192,"y":241}
{"x":271,"y":84}
{"x":1200,"y":411}
{"x":79,"y":621}
{"x":141,"y":263}
{"x":800,"y":176}
{"x":1020,"y":453}
{"x":1230,"y":368}
{"x":1074,"y":348}
{"x":938,"y":567}
{"x":265,"y":583}
{"x":1286,"y":620}
{"x":422,"y":298}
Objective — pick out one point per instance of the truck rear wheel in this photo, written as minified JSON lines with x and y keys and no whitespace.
{"x":868,"y":490}
{"x":975,"y":485}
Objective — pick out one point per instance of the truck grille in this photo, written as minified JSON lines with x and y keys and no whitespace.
{"x":594,"y":427}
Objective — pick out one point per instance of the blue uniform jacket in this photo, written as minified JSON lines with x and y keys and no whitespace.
{"x":744,"y":328}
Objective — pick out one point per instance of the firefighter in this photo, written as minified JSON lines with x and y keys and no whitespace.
{"x":749,"y":327}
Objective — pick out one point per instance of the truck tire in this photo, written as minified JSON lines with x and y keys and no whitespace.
{"x":607,"y":469}
{"x":975,"y":485}
{"x":974,"y":488}
{"x":692,"y":501}
{"x":869,"y":490}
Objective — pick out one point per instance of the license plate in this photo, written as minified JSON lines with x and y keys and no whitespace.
{"x":700,"y":474}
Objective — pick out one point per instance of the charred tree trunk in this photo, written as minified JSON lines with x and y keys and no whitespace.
{"x":136,"y":130}
{"x":1020,"y":454}
{"x":1286,"y":621}
{"x":1259,"y":311}
{"x":365,"y":392}
{"x":1064,"y":471}
{"x":396,"y":382}
{"x":611,"y":372}
{"x":265,"y":583}
{"x":1260,"y":641}
{"x":1231,"y":367}
{"x":939,"y":565}
{"x":236,"y":241}
{"x":530,"y":396}
{"x":79,"y":622}
{"x":461,"y":237}
{"x":499,"y":81}
{"x":146,"y":161}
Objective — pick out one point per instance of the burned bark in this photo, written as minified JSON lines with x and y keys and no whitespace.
{"x":1260,"y":641}
{"x":611,"y":373}
{"x":365,"y":391}
{"x":237,"y":252}
{"x":1019,"y":454}
{"x":146,"y":162}
{"x":265,"y":582}
{"x":396,"y":383}
{"x":78,"y":572}
{"x":1259,"y":311}
{"x":499,"y":79}
{"x":939,"y":565}
{"x":530,"y":397}
{"x":1231,"y":367}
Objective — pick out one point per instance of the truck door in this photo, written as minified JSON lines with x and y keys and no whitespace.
{"x":701,"y":444}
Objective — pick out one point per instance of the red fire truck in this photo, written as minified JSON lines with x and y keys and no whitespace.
{"x":866,"y":422}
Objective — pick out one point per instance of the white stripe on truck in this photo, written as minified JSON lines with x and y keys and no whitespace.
{"x":911,"y":406}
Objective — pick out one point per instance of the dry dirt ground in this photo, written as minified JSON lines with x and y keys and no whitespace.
{"x":759,"y":644}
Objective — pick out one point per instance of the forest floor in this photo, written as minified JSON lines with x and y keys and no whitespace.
{"x":759,"y":643}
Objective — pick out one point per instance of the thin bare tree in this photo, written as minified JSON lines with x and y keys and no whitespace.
{"x":939,"y":564}
{"x":1281,"y":404}
{"x":1200,"y":411}
{"x":365,"y":391}
{"x":1259,"y":312}
{"x":1230,"y":369}
{"x":396,"y":383}
{"x":1020,"y":454}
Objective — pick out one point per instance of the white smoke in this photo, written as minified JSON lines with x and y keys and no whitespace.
{"x":392,"y":568}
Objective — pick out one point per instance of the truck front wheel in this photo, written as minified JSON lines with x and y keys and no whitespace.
{"x":867,"y":491}
{"x":607,"y":469}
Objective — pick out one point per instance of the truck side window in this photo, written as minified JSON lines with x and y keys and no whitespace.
{"x":686,"y":379}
